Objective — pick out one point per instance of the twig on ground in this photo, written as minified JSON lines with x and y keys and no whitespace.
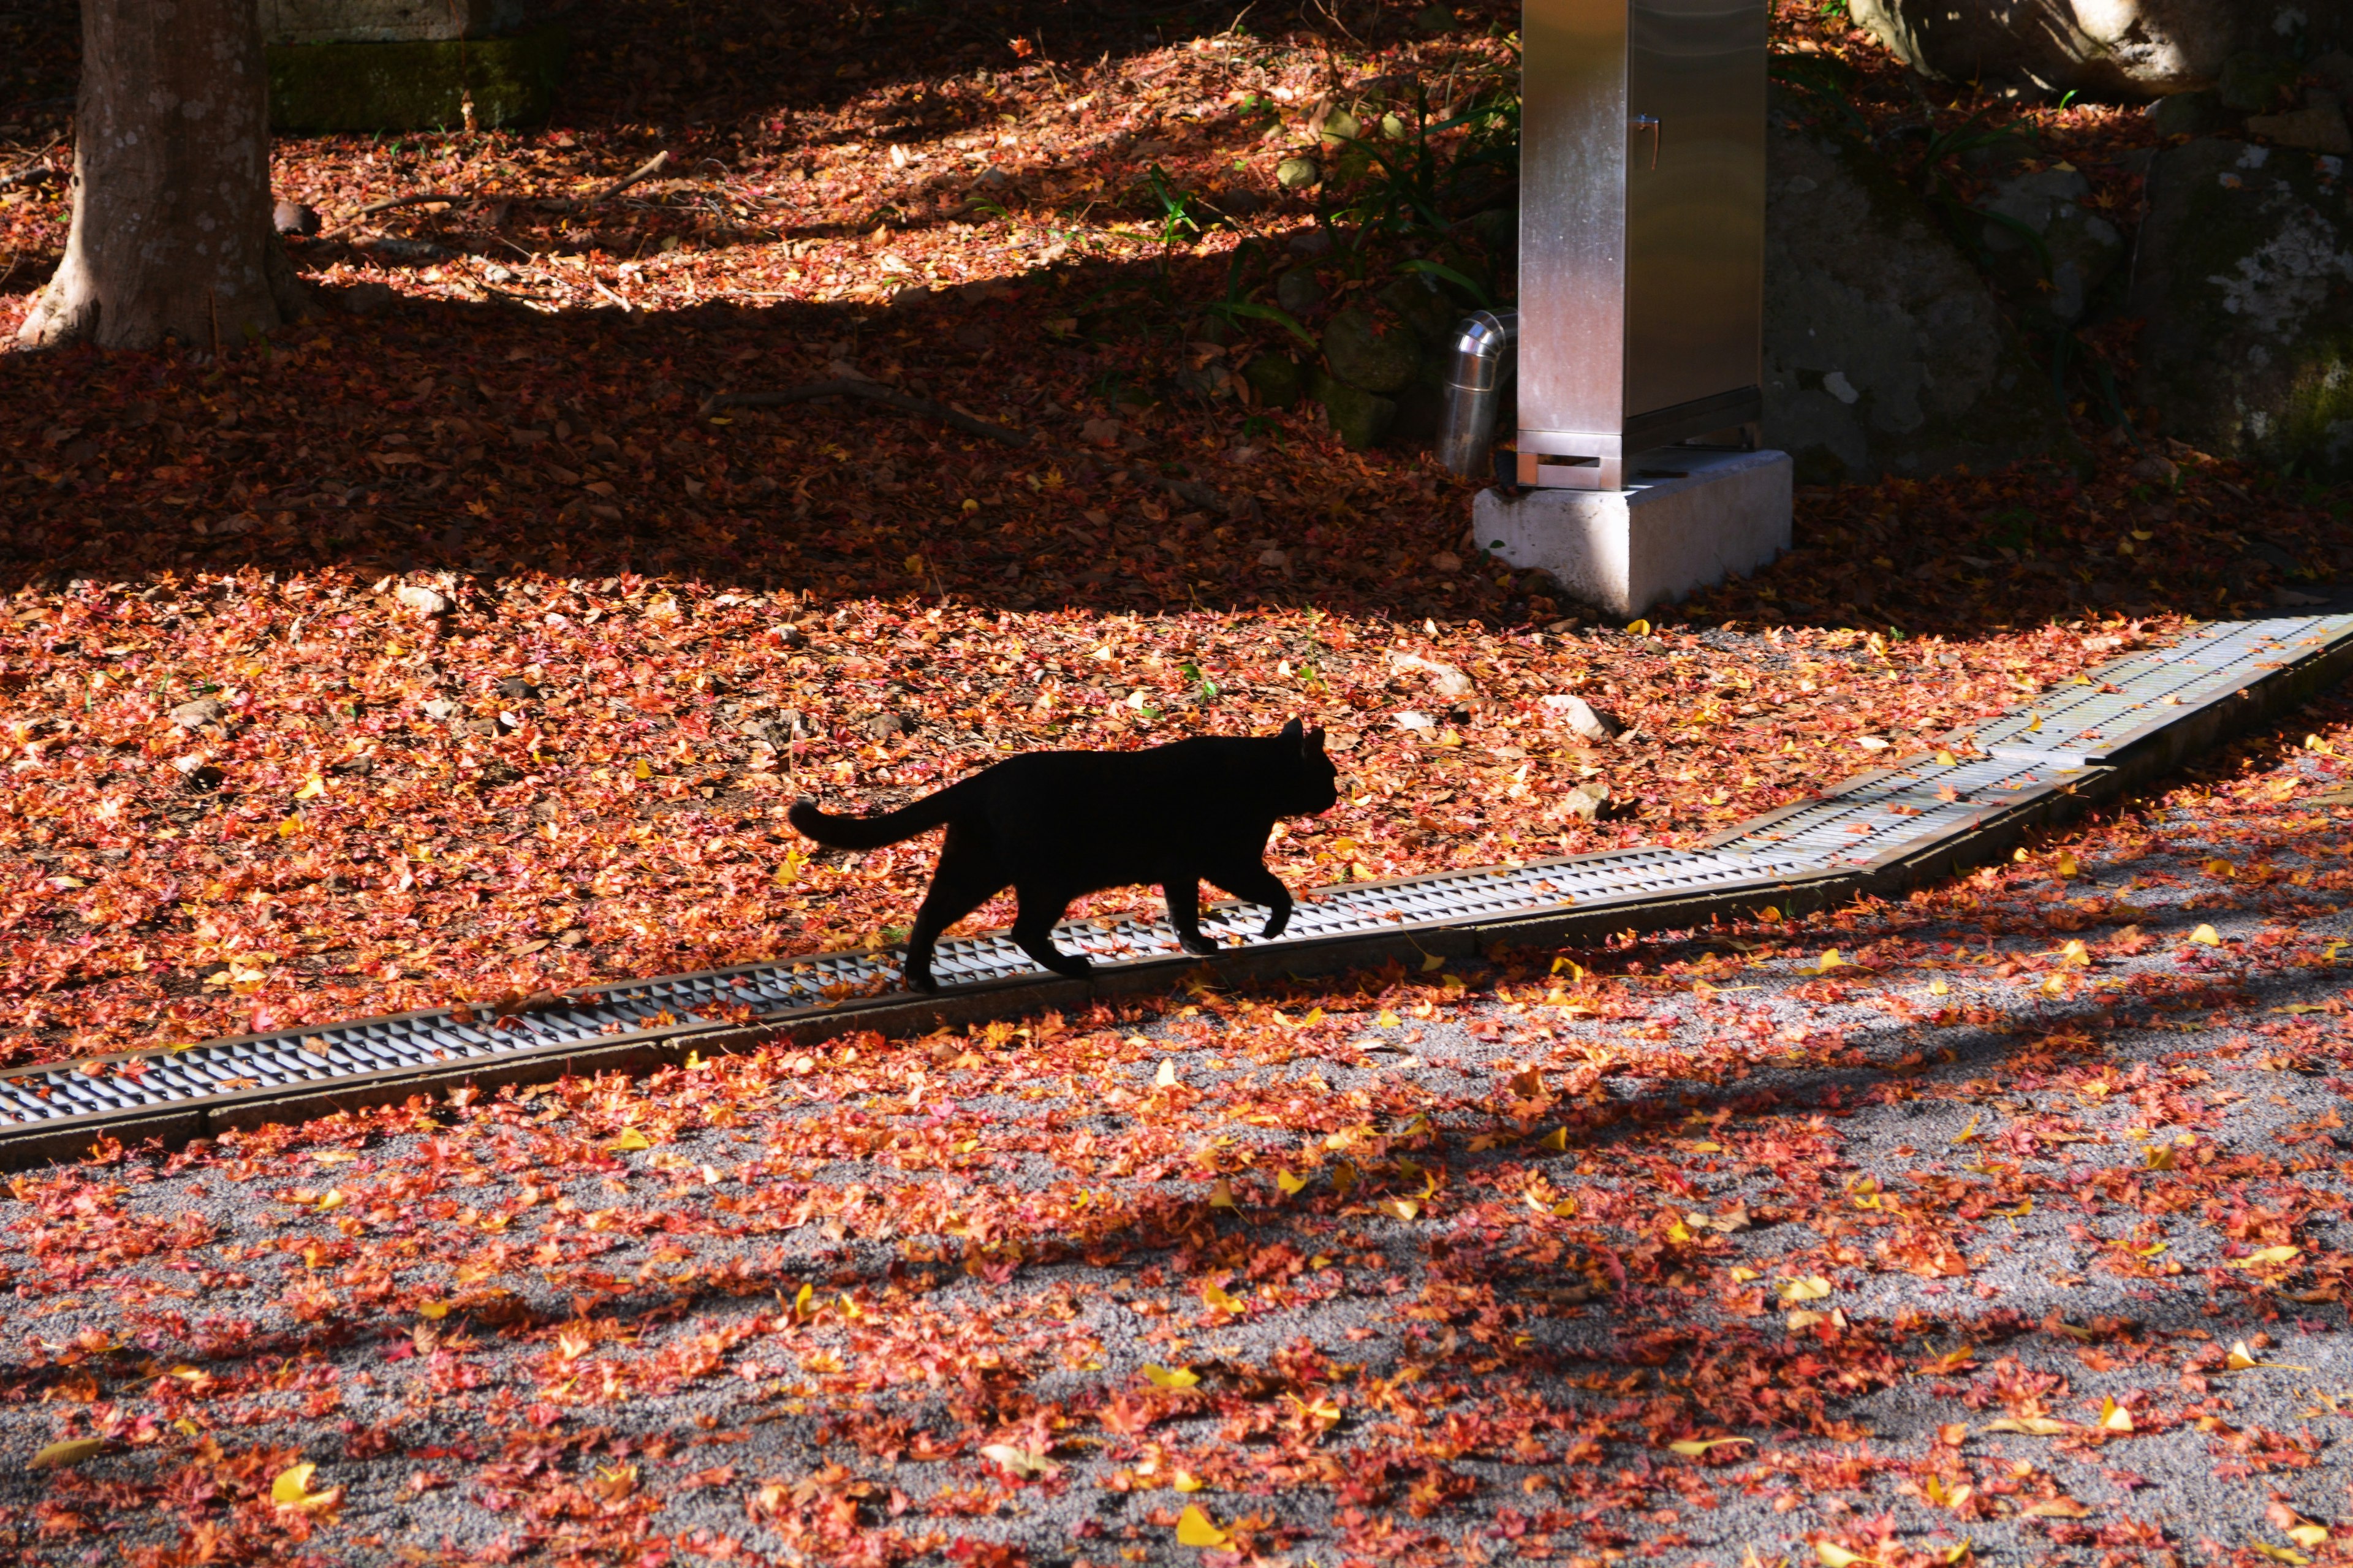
{"x":419,"y":198}
{"x":871,"y":392}
{"x":37,"y":170}
{"x":644,"y":171}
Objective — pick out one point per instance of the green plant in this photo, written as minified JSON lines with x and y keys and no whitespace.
{"x":1407,"y":187}
{"x":1176,"y":210}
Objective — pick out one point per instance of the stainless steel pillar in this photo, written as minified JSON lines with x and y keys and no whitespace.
{"x":1641,"y":230}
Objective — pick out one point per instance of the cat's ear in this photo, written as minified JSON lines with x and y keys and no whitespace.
{"x":1290,"y":733}
{"x":1314,"y":747}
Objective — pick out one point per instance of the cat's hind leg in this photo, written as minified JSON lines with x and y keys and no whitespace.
{"x":1033,"y":929}
{"x":1247,"y":878}
{"x":967,"y":877}
{"x":1184,"y":895}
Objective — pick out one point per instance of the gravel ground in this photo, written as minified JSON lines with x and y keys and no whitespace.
{"x":1969,"y":1245}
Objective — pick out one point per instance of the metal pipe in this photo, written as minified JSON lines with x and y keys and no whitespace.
{"x":1484,"y":355}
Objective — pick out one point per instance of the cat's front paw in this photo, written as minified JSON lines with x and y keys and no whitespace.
{"x":1197,"y":945}
{"x":920,"y":979}
{"x":1275,"y":926}
{"x":1075,"y":967}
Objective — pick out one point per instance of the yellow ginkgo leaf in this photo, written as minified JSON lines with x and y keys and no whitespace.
{"x":1555,"y":1141}
{"x":2315,"y":1536}
{"x":1166,"y":1077}
{"x":292,"y":1489}
{"x":1216,"y":1297}
{"x":2066,"y":864}
{"x":2032,"y":1426}
{"x":1289,"y":1182}
{"x":2115,"y":1417}
{"x":1403,"y":1208}
{"x":1187,"y":1481}
{"x":1172,"y":1377}
{"x":1194,"y":1528}
{"x":1833,"y":1555}
{"x":641,"y":769}
{"x":1827,"y":961}
{"x":1640,"y":628}
{"x":1222,"y":1195}
{"x":1387,"y":1019}
{"x":1812,"y":1287}
{"x":1692,"y":1447}
{"x":72,"y":1451}
{"x":312,"y":788}
{"x":630,"y":1139}
{"x":2270,"y":1255}
{"x":2206,"y":936}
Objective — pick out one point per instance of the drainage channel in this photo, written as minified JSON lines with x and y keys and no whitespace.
{"x":2117,"y":726}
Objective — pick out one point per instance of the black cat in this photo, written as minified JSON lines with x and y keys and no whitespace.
{"x":1055,"y":825}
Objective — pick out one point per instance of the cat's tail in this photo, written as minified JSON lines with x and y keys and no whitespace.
{"x":874,"y":832}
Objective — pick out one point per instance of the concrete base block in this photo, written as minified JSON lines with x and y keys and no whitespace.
{"x":1705,"y":516}
{"x":419,"y":85}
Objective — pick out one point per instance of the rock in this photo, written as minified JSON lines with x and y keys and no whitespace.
{"x":1297,"y":173}
{"x":2251,"y":80}
{"x":1366,"y":355}
{"x":439,"y":707}
{"x":1410,"y":719}
{"x":1446,"y":563}
{"x":2082,"y":246}
{"x":1275,"y":378}
{"x":421,"y":599}
{"x":1358,"y":418}
{"x":2244,"y":276}
{"x":294,"y":217}
{"x":2319,"y":125}
{"x":1581,"y":716}
{"x":2128,"y":49}
{"x":1421,"y":307}
{"x":365,"y":299}
{"x":515,"y":689}
{"x":195,"y":715}
{"x":1884,"y":351}
{"x":2189,"y":114}
{"x":883,"y":726}
{"x":1298,"y":291}
{"x":1274,"y":557}
{"x":1102,"y":432}
{"x":1587,"y":800}
{"x":1310,"y":242}
{"x":204,"y":777}
{"x":480,"y":726}
{"x":2155,"y":469}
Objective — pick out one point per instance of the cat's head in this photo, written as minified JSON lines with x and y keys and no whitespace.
{"x":1310,"y":784}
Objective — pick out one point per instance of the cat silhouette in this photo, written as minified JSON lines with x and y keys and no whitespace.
{"x":1054,"y":825}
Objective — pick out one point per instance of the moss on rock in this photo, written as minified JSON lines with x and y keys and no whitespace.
{"x":2245,"y":280}
{"x":1884,"y":350}
{"x":417,"y":86}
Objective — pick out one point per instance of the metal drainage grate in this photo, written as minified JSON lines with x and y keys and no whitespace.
{"x":1908,"y":808}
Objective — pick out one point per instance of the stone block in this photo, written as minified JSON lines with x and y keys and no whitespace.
{"x":415,"y":86}
{"x":388,"y":21}
{"x":1706,"y":516}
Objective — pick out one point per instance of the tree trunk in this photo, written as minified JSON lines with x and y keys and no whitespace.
{"x":172,"y":236}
